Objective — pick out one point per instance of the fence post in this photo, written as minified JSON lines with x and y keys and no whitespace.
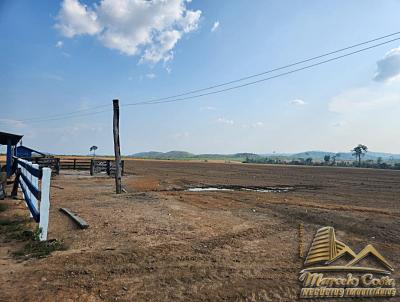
{"x":108,"y":167}
{"x":44,"y":207}
{"x":35,"y":182}
{"x":57,"y":166}
{"x":28,"y":193}
{"x":74,"y":163}
{"x":92,"y":167}
{"x":9,"y":158}
{"x":14,"y":191}
{"x":117,"y":147}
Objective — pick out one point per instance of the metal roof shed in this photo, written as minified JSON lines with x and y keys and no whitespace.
{"x":26,"y":152}
{"x":10,"y":140}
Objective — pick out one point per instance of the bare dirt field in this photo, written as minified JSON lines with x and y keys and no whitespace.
{"x":158,"y":242}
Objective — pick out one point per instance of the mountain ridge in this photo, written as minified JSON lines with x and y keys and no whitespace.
{"x":314,"y":154}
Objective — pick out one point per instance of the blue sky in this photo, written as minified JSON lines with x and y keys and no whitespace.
{"x":61,"y":56}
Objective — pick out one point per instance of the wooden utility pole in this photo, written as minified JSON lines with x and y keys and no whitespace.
{"x":117,"y":150}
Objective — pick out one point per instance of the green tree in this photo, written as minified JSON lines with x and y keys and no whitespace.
{"x":93,"y":148}
{"x":327,"y":158}
{"x":359,"y":151}
{"x":308,"y":161}
{"x":334,"y":158}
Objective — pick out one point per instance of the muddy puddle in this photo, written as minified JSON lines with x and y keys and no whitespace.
{"x":239,"y":188}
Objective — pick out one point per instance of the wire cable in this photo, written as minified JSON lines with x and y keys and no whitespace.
{"x":261,"y":80}
{"x":69,"y":117}
{"x":65,"y":114}
{"x":177,"y":97}
{"x":273,"y":70}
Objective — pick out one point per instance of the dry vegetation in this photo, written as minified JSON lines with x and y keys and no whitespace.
{"x":160,"y":243}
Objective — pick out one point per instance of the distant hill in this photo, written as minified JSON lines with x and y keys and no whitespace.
{"x":319,"y":155}
{"x":182,"y":155}
{"x":315,"y":155}
{"x":162,"y":155}
{"x":150,"y":154}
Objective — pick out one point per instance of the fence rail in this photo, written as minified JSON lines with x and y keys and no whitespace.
{"x":75,"y":164}
{"x":107,"y":166}
{"x":48,"y":162}
{"x":93,"y":165}
{"x":34,"y":183}
{"x":2,"y":165}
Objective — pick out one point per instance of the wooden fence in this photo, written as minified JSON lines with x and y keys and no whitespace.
{"x":107,"y":166}
{"x":93,"y":165}
{"x":75,"y":164}
{"x":48,"y":162}
{"x":34,"y":183}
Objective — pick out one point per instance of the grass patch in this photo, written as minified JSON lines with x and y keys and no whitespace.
{"x":39,"y":249}
{"x":19,"y":229}
{"x":3,"y":207}
{"x":16,"y":228}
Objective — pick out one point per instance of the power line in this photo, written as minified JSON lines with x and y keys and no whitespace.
{"x":239,"y":86}
{"x":234,"y":87}
{"x":177,"y":97}
{"x":272,"y":70}
{"x":69,"y":117}
{"x":261,"y":80}
{"x":64,"y":114}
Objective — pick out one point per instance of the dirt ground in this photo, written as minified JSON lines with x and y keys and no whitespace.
{"x":158,"y":242}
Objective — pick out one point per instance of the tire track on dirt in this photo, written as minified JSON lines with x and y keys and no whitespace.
{"x":233,"y":238}
{"x":330,"y":207}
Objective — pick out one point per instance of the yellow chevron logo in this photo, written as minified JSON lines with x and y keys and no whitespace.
{"x":326,"y":249}
{"x":359,"y":281}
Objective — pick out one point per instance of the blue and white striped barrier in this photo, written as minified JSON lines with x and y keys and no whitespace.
{"x":35,"y":185}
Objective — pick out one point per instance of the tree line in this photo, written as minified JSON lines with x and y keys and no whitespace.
{"x":358,"y":152}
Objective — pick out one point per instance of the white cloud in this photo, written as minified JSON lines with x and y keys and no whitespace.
{"x":11,"y":123}
{"x":52,"y":76}
{"x":59,"y":44}
{"x":388,"y":68}
{"x":258,"y":125}
{"x":209,"y":108}
{"x":149,"y":29}
{"x":365,"y":99}
{"x":149,"y":76}
{"x":367,"y":114}
{"x":77,"y":19}
{"x":297,"y":102}
{"x":215,"y":26}
{"x":181,"y":135}
{"x":223,"y":120}
{"x":339,"y":124}
{"x":253,"y":125}
{"x":161,"y":49}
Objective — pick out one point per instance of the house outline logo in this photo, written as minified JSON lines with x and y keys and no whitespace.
{"x":323,"y":278}
{"x":326,"y":249}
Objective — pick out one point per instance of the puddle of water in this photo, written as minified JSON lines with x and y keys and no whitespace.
{"x":265,"y":190}
{"x":210,"y":189}
{"x":274,"y":190}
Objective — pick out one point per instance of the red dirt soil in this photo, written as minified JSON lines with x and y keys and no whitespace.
{"x":160,"y":243}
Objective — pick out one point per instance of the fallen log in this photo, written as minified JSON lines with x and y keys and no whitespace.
{"x":78,"y":220}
